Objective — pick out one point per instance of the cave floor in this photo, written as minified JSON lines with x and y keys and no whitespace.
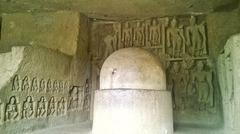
{"x":85,"y":128}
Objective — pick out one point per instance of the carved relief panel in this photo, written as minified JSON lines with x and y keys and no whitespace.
{"x":182,"y":45}
{"x":33,"y":97}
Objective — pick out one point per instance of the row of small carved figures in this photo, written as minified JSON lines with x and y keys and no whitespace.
{"x":41,"y":108}
{"x":38,"y":85}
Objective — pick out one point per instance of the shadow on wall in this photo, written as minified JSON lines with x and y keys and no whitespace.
{"x":228,"y":7}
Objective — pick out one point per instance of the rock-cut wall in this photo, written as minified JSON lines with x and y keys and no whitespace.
{"x":40,"y":85}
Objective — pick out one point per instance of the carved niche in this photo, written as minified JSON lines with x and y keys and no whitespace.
{"x":182,"y":45}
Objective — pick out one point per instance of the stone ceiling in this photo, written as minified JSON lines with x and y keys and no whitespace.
{"x":123,"y":9}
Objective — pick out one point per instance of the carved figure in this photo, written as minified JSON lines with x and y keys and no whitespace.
{"x":51,"y":107}
{"x":41,"y":107}
{"x":138,"y":37}
{"x":175,"y":39}
{"x":178,"y":83}
{"x":66,"y":86}
{"x":154,"y":33}
{"x":61,"y":86}
{"x":196,"y":37}
{"x":164,"y":26}
{"x":49,"y":85}
{"x":116,"y":35}
{"x":110,"y":43}
{"x":74,"y":98}
{"x":34,"y":86}
{"x":61,"y":106}
{"x":55,"y":86}
{"x":25,"y":83}
{"x":16,"y":83}
{"x":42,"y":85}
{"x":27,"y":111}
{"x":203,"y":85}
{"x":127,"y":35}
{"x":86,"y":104}
{"x":11,"y":109}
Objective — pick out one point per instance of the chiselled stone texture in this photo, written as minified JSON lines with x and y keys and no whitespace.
{"x":55,"y":30}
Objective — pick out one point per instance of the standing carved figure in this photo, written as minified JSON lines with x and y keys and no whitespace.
{"x":25,"y":83}
{"x":127,"y":35}
{"x":110,"y":47}
{"x":138,"y":37}
{"x":55,"y":86}
{"x":175,"y":39}
{"x":196,"y":37}
{"x":61,"y":86}
{"x":16,"y":83}
{"x":61,"y":106}
{"x":178,"y":84}
{"x":27,"y":111}
{"x":117,"y":35}
{"x":49,"y":85}
{"x":87,"y":97}
{"x":203,"y":85}
{"x":154,"y":33}
{"x":41,"y":107}
{"x":11,"y":109}
{"x":51,"y":107}
{"x":74,"y":98}
{"x":34,"y":85}
{"x":42,"y":85}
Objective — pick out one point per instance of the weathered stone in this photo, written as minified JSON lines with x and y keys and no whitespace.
{"x":55,"y":30}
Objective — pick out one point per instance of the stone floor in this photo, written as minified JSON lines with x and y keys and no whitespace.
{"x":85,"y":128}
{"x":81,"y":128}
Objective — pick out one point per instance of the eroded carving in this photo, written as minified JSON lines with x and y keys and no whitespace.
{"x":49,"y":85}
{"x":55,"y":86}
{"x":16,"y":83}
{"x":51,"y":107}
{"x":34,"y":85}
{"x":196,"y":37}
{"x":127,"y":35}
{"x":12,"y":111}
{"x":41,"y":107}
{"x":202,"y":82}
{"x":73,"y":98}
{"x":28,"y":108}
{"x":154,"y":33}
{"x":138,"y":38}
{"x":175,"y":39}
{"x":25,"y":84}
{"x":42,"y":85}
{"x":61,"y":106}
{"x":87,"y":95}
